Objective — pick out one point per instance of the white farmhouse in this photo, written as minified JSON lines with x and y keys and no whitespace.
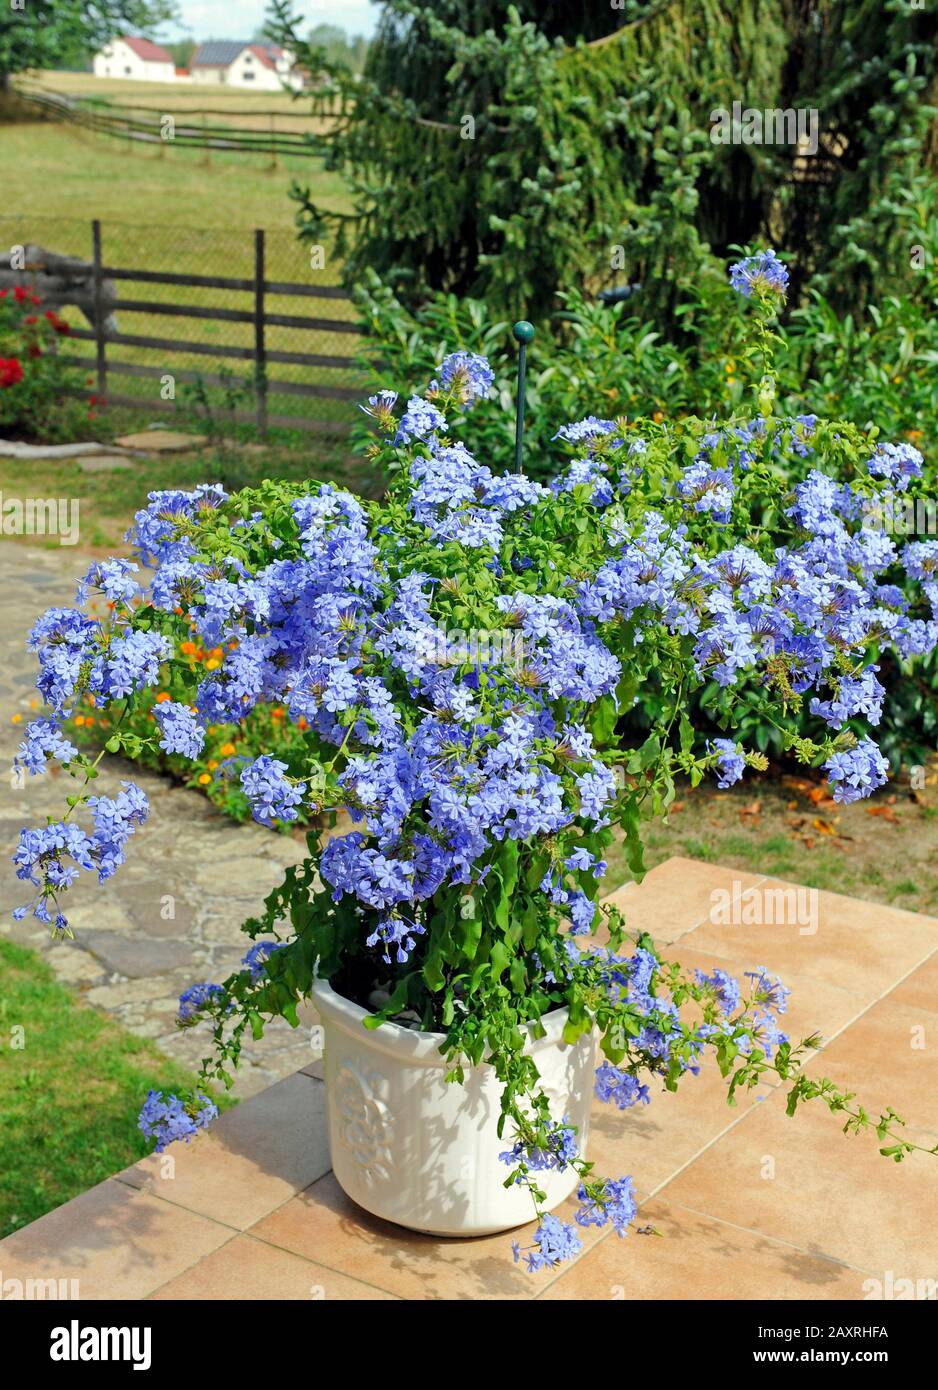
{"x":261,"y":67}
{"x":135,"y":60}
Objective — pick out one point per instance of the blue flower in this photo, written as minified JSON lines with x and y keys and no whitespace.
{"x":419,"y":422}
{"x":169,"y":1118}
{"x":762,"y":273}
{"x":272,"y":797}
{"x":467,"y":376}
{"x":181,"y":731}
{"x":554,"y":1241}
{"x":731,"y":762}
{"x":857,"y":772}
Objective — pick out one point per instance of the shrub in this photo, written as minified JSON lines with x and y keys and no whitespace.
{"x":463,"y":653}
{"x":34,"y":381}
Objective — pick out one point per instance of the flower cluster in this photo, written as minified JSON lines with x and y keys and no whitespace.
{"x":759,"y":274}
{"x":166,"y":1119}
{"x":486,"y":781}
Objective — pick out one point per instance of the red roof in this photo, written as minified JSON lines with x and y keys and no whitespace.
{"x":144,"y":48}
{"x":265,"y":54}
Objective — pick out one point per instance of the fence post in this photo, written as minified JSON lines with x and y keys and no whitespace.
{"x":99,"y":338}
{"x":260,"y":351}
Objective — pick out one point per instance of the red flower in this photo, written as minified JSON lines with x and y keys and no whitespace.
{"x":10,"y":371}
{"x":34,"y":299}
{"x":19,"y":294}
{"x":57,"y":323}
{"x":35,"y":350}
{"x":30,"y":318}
{"x":4,"y":293}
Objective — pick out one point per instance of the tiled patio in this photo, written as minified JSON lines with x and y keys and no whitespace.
{"x":744,"y":1202}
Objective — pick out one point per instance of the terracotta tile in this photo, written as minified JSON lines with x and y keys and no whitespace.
{"x":694,"y":1256}
{"x":920,"y":989}
{"x":249,"y":1269}
{"x":676,"y":896}
{"x":889,"y":1056}
{"x":651,"y":1143}
{"x":813,"y":1006}
{"x":323,"y":1225}
{"x":252,"y":1160}
{"x":864,"y":948}
{"x":832,"y":1195}
{"x":117,"y":1242}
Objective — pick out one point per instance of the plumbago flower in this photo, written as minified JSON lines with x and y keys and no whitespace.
{"x":488,"y":779}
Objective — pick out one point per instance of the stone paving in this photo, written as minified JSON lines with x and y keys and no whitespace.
{"x":171,"y":915}
{"x":742,"y":1203}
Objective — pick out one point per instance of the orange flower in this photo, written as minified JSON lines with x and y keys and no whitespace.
{"x":227,"y":750}
{"x":17,"y":719}
{"x":163,"y":696}
{"x":79,"y":719}
{"x":188,"y":648}
{"x":211,"y":764}
{"x":301,"y":722}
{"x":204,"y":779}
{"x":212,"y":664}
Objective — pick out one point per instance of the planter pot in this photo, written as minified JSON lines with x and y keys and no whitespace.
{"x":412,"y":1148}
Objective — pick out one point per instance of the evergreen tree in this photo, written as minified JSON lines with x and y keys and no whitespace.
{"x":510,"y":150}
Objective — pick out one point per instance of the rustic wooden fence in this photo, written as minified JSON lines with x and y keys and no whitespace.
{"x":191,"y":128}
{"x":257,"y":351}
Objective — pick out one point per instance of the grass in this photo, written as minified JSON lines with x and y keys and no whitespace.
{"x":108,"y":500}
{"x":64,"y":171}
{"x":70,"y":1095}
{"x":882,"y":850}
{"x":178,"y":210}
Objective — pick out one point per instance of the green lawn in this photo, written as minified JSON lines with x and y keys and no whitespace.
{"x":70,"y":1095}
{"x":108,"y":500}
{"x":62,"y":171}
{"x":177,"y":210}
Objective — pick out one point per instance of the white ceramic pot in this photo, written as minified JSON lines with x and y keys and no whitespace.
{"x":415,"y":1149}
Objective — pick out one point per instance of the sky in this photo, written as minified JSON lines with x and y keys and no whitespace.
{"x":237,"y":19}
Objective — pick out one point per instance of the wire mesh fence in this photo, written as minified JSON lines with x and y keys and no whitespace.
{"x":195,"y":323}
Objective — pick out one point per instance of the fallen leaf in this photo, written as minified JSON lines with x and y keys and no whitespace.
{"x":884,"y":812}
{"x":753,"y":809}
{"x":824,"y":826}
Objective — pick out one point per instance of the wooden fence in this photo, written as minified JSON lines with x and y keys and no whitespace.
{"x":259,"y":353}
{"x":194,"y":128}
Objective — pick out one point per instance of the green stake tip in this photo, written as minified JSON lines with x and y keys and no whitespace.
{"x":523,"y":332}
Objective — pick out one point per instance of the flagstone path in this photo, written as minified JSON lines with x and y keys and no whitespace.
{"x":171,"y":915}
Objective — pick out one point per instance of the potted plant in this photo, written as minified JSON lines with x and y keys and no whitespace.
{"x":464,"y":654}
